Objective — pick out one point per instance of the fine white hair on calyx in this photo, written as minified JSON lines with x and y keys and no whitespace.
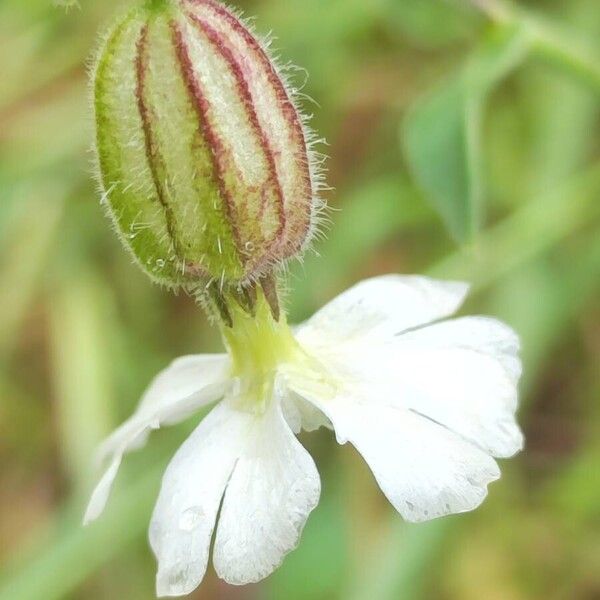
{"x":126,"y":17}
{"x":294,"y":80}
{"x":287,"y":73}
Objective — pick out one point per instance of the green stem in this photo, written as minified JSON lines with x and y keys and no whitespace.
{"x":569,"y":54}
{"x":548,"y":40}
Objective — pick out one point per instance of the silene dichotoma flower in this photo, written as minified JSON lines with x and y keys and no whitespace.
{"x":208,"y":175}
{"x":427,"y":402}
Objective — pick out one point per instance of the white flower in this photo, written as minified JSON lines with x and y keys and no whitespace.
{"x":428,"y":404}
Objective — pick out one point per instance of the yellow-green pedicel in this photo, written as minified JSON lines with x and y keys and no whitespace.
{"x":202,"y":154}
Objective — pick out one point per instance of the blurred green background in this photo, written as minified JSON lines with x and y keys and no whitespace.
{"x":464,"y":143}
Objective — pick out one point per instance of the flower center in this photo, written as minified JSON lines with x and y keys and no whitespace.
{"x":258,"y":345}
{"x":265,"y":354}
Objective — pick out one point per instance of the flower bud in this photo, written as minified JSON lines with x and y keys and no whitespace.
{"x":203,"y":156}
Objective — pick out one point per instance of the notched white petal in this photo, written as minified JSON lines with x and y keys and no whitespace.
{"x":273,"y":489}
{"x":382,"y":307}
{"x":189,"y":499}
{"x":270,"y":485}
{"x":482,"y":334}
{"x":463,"y":374}
{"x":183,"y":378}
{"x":424,"y":469}
{"x":175,"y":394}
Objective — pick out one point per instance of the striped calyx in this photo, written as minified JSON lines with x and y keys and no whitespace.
{"x":203,"y":156}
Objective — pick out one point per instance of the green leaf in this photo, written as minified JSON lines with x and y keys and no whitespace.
{"x":437,"y":149}
{"x":560,"y":44}
{"x":442,"y":134}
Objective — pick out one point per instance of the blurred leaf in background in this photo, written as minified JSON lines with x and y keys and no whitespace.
{"x":498,"y":105}
{"x":442,"y":135}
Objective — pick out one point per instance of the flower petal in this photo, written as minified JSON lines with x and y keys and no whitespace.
{"x":177,"y":392}
{"x":425,"y":470}
{"x":462,"y":374}
{"x":189,"y":383}
{"x":482,"y":334}
{"x":382,"y":307}
{"x":302,"y":415}
{"x":102,"y":491}
{"x":273,"y":489}
{"x":191,"y":492}
{"x":272,"y":486}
